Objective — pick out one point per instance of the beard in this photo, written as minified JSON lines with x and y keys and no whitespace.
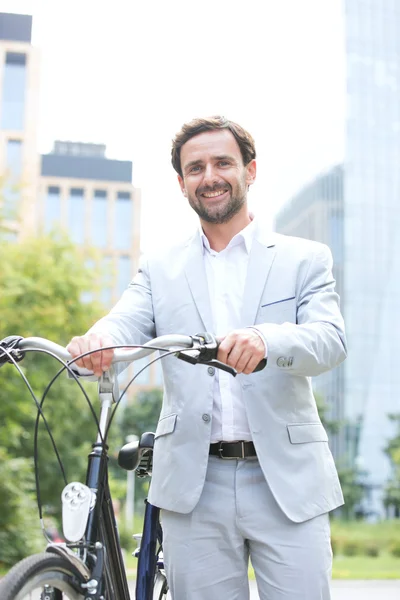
{"x":218,"y":214}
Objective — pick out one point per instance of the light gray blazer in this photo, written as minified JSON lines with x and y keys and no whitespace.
{"x":290,"y":289}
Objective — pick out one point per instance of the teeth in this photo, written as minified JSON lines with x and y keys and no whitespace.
{"x":214,"y":194}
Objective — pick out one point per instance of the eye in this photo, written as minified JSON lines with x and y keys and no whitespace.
{"x":195,"y":169}
{"x":223,"y":163}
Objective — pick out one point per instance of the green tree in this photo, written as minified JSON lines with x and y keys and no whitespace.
{"x":142,"y":414}
{"x":42,"y":280}
{"x":139,"y":416}
{"x":392,"y":450}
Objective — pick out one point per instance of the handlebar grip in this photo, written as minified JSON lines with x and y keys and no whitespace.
{"x":261,"y":365}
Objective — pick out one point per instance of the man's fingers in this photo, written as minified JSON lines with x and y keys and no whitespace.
{"x":224,"y":349}
{"x":106,"y":355}
{"x":95,"y":358}
{"x":96,"y":361}
{"x":242,"y":350}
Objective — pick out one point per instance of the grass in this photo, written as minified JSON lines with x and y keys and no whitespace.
{"x":382,"y":536}
{"x":363,"y":535}
{"x":384,"y":566}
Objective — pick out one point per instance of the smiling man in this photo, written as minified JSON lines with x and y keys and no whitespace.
{"x":265,"y":296}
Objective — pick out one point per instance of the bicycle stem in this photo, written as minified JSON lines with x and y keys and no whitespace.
{"x":108,"y":394}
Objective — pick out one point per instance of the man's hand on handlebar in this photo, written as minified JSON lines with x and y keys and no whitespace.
{"x":242,"y":349}
{"x":98,"y":362}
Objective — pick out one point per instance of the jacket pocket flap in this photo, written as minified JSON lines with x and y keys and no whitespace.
{"x":300,"y":433}
{"x":166,"y":425}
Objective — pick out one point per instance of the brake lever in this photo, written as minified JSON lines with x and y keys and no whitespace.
{"x":220,"y":365}
{"x":11,"y":344}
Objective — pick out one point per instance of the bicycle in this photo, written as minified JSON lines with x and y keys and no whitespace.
{"x":89,"y":566}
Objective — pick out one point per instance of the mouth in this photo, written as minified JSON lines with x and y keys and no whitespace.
{"x":216,"y":194}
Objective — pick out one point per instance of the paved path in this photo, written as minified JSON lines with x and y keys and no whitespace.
{"x":347,"y":590}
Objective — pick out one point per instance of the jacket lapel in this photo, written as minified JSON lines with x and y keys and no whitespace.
{"x":196,"y":277}
{"x":261,"y":257}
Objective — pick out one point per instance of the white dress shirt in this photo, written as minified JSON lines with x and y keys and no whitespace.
{"x":226,"y":275}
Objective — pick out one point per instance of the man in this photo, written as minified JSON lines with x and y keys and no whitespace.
{"x":264,"y":295}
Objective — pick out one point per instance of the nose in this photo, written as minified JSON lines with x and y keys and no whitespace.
{"x":209,"y":175}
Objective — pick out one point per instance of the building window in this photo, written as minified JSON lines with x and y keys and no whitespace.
{"x":123,"y":221}
{"x":14,"y":158}
{"x":76,"y":215}
{"x":14,"y":84}
{"x":12,"y":183}
{"x":124,"y":273}
{"x":99,"y":219}
{"x":336,"y":236}
{"x":52,"y":207}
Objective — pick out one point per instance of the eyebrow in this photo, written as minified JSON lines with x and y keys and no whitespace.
{"x":193,"y":163}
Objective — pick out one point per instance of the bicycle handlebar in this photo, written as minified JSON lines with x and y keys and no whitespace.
{"x":205,"y":344}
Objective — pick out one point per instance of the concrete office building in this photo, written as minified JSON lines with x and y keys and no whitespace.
{"x":92,"y":197}
{"x":19,"y":87}
{"x":75,"y":186}
{"x":370,"y":278}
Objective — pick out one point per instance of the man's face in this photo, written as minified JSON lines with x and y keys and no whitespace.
{"x":215,"y":181}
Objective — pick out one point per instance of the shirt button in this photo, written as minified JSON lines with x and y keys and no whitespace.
{"x":281,"y":362}
{"x":211,"y":371}
{"x":206,"y":418}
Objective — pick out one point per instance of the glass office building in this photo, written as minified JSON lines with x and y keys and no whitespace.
{"x":365,"y":238}
{"x":372,"y":232}
{"x":316,"y":213}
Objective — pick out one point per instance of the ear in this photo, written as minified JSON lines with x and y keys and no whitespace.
{"x":182,"y":185}
{"x":251,"y":172}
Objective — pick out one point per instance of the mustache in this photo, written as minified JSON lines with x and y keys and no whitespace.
{"x":207,"y":189}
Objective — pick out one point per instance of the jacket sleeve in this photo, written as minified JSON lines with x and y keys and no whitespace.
{"x":316,"y":342}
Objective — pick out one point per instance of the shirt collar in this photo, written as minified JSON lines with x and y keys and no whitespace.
{"x":245,"y":236}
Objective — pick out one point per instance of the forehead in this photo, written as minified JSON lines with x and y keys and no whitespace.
{"x":208,"y":144}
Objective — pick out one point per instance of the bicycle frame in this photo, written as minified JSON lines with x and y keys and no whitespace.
{"x":101,"y":524}
{"x":147,"y":559}
{"x":102,"y":517}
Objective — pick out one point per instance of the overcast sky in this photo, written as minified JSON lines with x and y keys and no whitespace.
{"x":129,"y":73}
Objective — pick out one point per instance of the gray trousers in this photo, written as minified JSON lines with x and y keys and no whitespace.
{"x":207,"y":551}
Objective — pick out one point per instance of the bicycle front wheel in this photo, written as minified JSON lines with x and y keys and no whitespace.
{"x":42,"y":577}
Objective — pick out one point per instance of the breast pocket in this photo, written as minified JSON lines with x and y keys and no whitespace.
{"x":281,"y":310}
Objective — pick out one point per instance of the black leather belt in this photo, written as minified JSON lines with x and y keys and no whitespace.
{"x":232,"y":450}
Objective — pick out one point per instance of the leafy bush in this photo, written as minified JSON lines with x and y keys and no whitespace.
{"x":395,"y":548}
{"x":352,"y":548}
{"x":372,"y":549}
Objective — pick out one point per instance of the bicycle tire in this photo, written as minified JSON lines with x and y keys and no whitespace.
{"x":31,"y":574}
{"x":160,"y":589}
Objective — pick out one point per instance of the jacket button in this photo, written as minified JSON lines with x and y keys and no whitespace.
{"x":211,"y":371}
{"x":206,"y":418}
{"x":281,"y":362}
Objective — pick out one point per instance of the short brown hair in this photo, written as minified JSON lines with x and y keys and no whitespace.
{"x":196,"y":126}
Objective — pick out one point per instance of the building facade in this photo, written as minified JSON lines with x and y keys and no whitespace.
{"x":19,"y":89}
{"x":75,"y":187}
{"x":316,"y":213}
{"x":367,"y":246}
{"x":371,"y":233}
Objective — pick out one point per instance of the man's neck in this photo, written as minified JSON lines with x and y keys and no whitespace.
{"x":220,"y":235}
